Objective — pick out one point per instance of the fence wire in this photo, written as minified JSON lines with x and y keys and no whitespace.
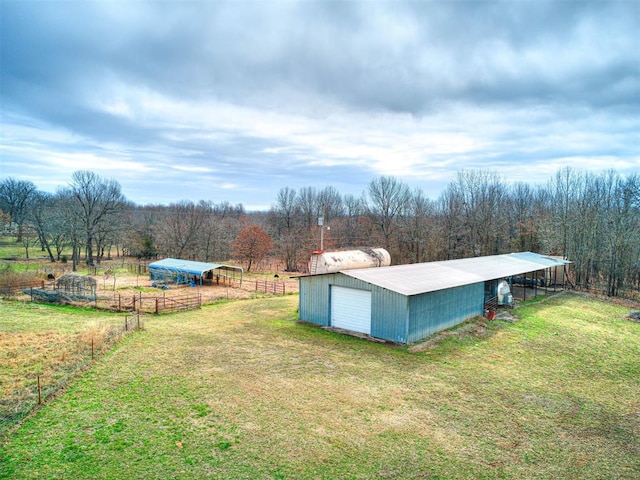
{"x":31,"y":380}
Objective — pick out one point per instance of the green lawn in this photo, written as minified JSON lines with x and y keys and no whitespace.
{"x":240,"y":390}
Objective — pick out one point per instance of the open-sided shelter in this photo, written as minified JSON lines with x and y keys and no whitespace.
{"x":406,"y":303}
{"x":179,"y":271}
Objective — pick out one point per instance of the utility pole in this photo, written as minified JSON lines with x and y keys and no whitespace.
{"x":321,"y":225}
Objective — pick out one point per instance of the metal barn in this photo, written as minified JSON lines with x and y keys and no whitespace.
{"x":406,"y":303}
{"x":188,"y":272}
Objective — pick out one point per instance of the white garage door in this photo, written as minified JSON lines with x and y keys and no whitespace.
{"x":351,"y":309}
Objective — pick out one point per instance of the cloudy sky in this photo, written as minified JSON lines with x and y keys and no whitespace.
{"x":231,"y":101}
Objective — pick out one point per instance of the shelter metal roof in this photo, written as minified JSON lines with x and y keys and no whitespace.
{"x":190,"y":267}
{"x":417,"y":278}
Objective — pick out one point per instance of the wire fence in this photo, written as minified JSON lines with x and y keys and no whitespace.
{"x":264,"y":286}
{"x":11,"y":290}
{"x":39,"y":370}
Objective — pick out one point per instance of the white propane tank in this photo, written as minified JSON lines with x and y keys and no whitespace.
{"x":504,"y":293}
{"x":330,"y":262}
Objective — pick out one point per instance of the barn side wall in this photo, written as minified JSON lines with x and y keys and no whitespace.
{"x":432,"y":312}
{"x":389,"y":315}
{"x":388,"y":309}
{"x":394,"y":317}
{"x":313,"y":301}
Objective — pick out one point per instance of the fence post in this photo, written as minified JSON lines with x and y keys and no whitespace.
{"x":39,"y":392}
{"x":156,"y":308}
{"x":126,"y":323}
{"x":92,"y":348}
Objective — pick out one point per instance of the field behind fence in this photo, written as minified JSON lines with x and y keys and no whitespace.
{"x":149,"y":303}
{"x":39,"y":354}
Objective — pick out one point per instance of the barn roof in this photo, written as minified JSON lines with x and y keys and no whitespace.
{"x":417,"y":278}
{"x":189,"y":267}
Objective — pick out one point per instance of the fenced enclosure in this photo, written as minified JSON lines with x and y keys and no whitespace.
{"x":46,"y":365}
{"x":146,"y":303}
{"x":264,"y":286}
{"x":11,"y":290}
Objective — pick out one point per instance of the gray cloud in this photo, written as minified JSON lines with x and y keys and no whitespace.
{"x":256,"y":96}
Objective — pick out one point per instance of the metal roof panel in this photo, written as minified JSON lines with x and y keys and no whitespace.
{"x":184,"y":266}
{"x":417,"y":278}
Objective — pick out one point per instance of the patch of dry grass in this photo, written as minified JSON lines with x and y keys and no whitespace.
{"x":47,"y":342}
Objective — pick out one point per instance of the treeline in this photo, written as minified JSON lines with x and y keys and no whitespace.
{"x":591,"y":219}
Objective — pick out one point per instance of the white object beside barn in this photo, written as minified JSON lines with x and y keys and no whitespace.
{"x":331,"y":262}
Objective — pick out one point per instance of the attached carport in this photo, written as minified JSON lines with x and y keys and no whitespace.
{"x":179,"y":271}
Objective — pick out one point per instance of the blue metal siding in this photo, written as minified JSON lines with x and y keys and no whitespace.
{"x":388,"y":309}
{"x":389,"y":315}
{"x":314,"y":301}
{"x":315,"y":295}
{"x":394,"y":317}
{"x":435,"y":311}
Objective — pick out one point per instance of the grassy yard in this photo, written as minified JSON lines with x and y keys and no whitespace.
{"x":240,"y":390}
{"x":48,"y":341}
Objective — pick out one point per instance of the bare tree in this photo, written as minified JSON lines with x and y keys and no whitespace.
{"x":220,"y":227}
{"x":352,"y":226}
{"x":287,"y":229}
{"x":483,"y":194}
{"x":41,"y":216}
{"x":140,"y":239}
{"x":70,"y":223}
{"x":418,"y":229}
{"x":455,"y":237}
{"x":564,"y":187}
{"x":621,"y":230}
{"x":179,"y":232}
{"x":388,"y":199}
{"x":331,"y":204}
{"x":525,"y":214}
{"x":15,"y":199}
{"x":99,"y":203}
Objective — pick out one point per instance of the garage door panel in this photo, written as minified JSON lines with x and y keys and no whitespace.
{"x":351,"y":309}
